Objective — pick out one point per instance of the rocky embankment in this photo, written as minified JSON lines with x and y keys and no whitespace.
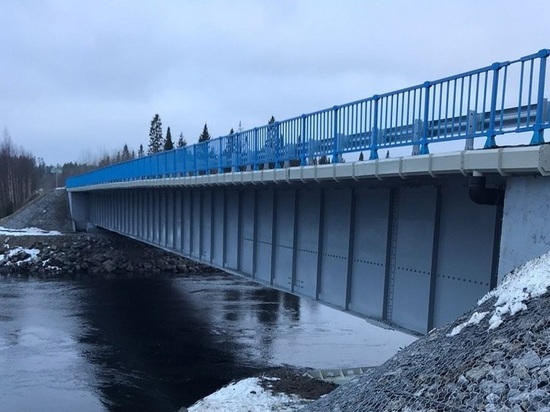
{"x":40,"y":253}
{"x":81,"y":254}
{"x":496,"y":358}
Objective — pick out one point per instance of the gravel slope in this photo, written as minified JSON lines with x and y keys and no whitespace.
{"x":49,"y":211}
{"x":505,"y":369}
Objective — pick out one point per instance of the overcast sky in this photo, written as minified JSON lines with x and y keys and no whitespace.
{"x":81,"y":77}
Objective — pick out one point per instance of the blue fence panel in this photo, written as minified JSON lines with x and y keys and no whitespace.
{"x":502,"y":98}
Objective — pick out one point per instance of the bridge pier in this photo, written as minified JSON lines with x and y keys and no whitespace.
{"x":525,"y":227}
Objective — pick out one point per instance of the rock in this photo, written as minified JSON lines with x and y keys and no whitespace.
{"x":108,"y":266}
{"x":530,"y":360}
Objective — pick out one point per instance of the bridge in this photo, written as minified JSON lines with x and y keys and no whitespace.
{"x":412,"y":241}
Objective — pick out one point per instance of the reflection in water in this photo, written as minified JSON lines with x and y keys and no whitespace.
{"x":155,"y":352}
{"x":159,"y":344}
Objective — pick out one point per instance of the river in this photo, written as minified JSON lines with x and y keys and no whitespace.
{"x":159,"y":344}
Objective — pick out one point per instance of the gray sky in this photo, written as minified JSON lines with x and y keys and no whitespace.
{"x":81,"y":77}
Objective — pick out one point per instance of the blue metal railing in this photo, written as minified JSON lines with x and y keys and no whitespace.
{"x":502,"y":98}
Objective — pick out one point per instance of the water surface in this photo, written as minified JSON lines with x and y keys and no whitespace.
{"x":159,"y":344}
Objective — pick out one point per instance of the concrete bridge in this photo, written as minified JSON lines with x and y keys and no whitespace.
{"x":410,"y":241}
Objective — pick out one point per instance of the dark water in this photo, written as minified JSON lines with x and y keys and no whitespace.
{"x":159,"y":344}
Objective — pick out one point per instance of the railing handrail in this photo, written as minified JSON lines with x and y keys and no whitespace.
{"x":505,"y":97}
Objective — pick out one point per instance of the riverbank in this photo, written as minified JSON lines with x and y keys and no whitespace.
{"x":54,"y":254}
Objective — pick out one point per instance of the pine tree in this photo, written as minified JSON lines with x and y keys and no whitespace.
{"x":168,"y":144}
{"x":204,"y":135}
{"x":361,"y":158}
{"x":125,"y":153}
{"x":155,"y":135}
{"x":273,"y":141}
{"x":181,"y":141}
{"x":140,"y":151}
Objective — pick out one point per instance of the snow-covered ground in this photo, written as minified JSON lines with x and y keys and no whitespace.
{"x":528,"y":281}
{"x":28,"y":231}
{"x":245,"y":396}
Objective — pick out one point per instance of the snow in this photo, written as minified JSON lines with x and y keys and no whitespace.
{"x":33,"y":254}
{"x":526,"y":282}
{"x":28,"y":231}
{"x":247,"y":395}
{"x":474,"y":320}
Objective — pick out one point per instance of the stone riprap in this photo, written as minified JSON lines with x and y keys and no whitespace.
{"x":480,"y":369}
{"x":99,"y":253}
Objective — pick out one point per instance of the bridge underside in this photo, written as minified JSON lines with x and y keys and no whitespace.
{"x":413,"y":253}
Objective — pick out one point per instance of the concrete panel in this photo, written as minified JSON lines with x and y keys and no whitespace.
{"x":232,"y":229}
{"x":525,"y":223}
{"x":156,"y":216}
{"x":369,"y":252}
{"x":206,"y":225}
{"x":465,"y":253}
{"x":264,"y":236}
{"x":307,"y":241}
{"x":284,"y":238}
{"x":247,"y":231}
{"x":187,"y":225}
{"x":178,"y":219}
{"x":335,"y":244}
{"x":170,"y":223}
{"x":413,"y":257}
{"x":196,"y":217}
{"x":80,"y":209}
{"x":149,"y":210}
{"x":218,"y":227}
{"x":162,"y":216}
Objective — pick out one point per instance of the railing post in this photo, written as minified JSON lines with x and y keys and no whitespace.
{"x":255,"y":150}
{"x":184,"y":154}
{"x":471,"y":128}
{"x":220,"y":162}
{"x":277,"y":145}
{"x":424,"y":139}
{"x":302,"y":142}
{"x":374,"y":133}
{"x":335,"y":149}
{"x":538,"y":133}
{"x":490,"y":142}
{"x":195,"y":159}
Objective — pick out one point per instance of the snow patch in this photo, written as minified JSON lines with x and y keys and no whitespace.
{"x":28,"y":231}
{"x":31,"y":255}
{"x":527,"y":282}
{"x":247,"y":395}
{"x":474,"y":320}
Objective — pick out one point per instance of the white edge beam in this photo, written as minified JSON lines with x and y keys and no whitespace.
{"x":503,"y":161}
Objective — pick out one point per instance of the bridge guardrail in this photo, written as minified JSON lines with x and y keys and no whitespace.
{"x":502,"y":98}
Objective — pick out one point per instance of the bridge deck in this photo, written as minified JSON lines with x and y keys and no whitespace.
{"x":504,"y":161}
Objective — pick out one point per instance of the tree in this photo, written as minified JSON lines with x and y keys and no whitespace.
{"x":204,"y":135}
{"x":168,"y":144}
{"x":273,"y":142}
{"x":181,"y":141}
{"x":140,"y":151}
{"x":230,"y":145}
{"x":18,"y":175}
{"x":126,"y":155}
{"x":155,"y":135}
{"x":361,"y":157}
